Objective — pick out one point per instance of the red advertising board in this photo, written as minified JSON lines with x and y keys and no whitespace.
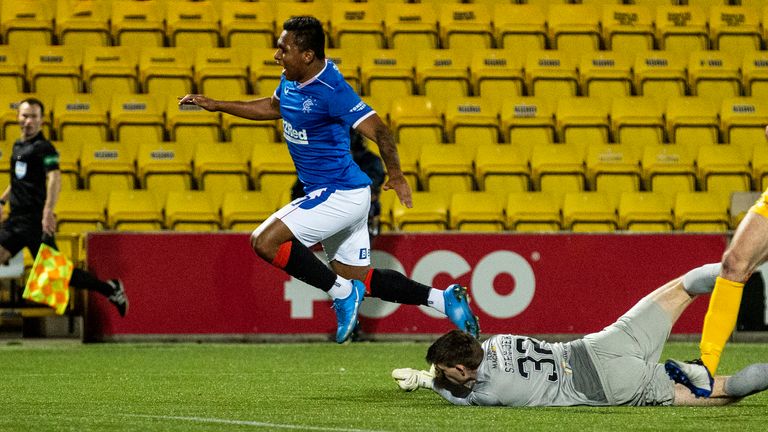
{"x":213,"y":284}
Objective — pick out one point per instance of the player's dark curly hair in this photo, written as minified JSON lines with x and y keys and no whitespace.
{"x":308,"y":34}
{"x":454,"y":348}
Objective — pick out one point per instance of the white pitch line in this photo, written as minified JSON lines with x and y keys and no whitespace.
{"x":250,"y":423}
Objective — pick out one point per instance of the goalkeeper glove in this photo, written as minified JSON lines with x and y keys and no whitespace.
{"x":411,"y":379}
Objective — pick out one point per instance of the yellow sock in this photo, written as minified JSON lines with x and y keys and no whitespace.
{"x":719,"y":321}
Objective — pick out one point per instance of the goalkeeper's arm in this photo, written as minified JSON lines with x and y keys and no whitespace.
{"x":412,"y":379}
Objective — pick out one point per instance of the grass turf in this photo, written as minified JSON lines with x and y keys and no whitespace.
{"x":55,"y":386}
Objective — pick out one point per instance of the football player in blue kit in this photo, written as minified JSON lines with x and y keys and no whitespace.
{"x":317,"y":108}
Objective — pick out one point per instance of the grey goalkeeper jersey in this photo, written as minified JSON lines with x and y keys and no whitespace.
{"x":522,"y":371}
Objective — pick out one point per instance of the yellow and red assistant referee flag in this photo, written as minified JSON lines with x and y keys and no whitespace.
{"x":48,"y":281}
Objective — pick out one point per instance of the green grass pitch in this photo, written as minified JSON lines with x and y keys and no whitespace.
{"x":65,"y":386}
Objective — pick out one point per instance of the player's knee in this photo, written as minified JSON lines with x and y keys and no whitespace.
{"x":257,"y":244}
{"x":736,"y":267}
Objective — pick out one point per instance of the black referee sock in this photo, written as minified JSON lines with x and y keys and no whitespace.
{"x":393,"y":286}
{"x":298,"y":261}
{"x":84,"y":280}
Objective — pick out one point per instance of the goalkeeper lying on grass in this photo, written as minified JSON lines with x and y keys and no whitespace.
{"x":616,"y":366}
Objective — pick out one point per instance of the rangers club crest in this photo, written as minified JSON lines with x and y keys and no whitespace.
{"x":307,"y":105}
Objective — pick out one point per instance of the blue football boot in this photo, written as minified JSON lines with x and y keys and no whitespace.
{"x":346,"y":311}
{"x":458,"y":311}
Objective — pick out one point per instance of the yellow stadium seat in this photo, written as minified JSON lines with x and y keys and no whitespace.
{"x":465,"y":25}
{"x":26,"y":23}
{"x":79,"y":211}
{"x":136,"y":118}
{"x":240,"y":130}
{"x":528,"y":120}
{"x":166,"y":71}
{"x":138,"y":24}
{"x":134,"y":210}
{"x":245,"y":211}
{"x":107,"y":166}
{"x":54,"y":69}
{"x":660,"y":74}
{"x":191,"y":24}
{"x":759,"y":162}
{"x":754,"y":73}
{"x":574,"y":27}
{"x":477,"y":211}
{"x":724,"y":168}
{"x":110,"y":70}
{"x":681,"y":29}
{"x":347,"y":61}
{"x":714,"y":74}
{"x":80,"y":116}
{"x":442,"y":74}
{"x":69,"y":162}
{"x":190,"y":124}
{"x":247,"y":24}
{"x":701,"y":212}
{"x":6,"y":150}
{"x":220,"y":168}
{"x":265,"y":72}
{"x":415,"y":121}
{"x":519,"y":27}
{"x":472,"y":120}
{"x":82,"y":23}
{"x":388,"y":72}
{"x":645,"y":212}
{"x":669,"y":168}
{"x":627,"y":28}
{"x":589,"y":212}
{"x":11,"y":70}
{"x":551,"y":73}
{"x":411,"y":25}
{"x":740,"y":204}
{"x":497,"y":74}
{"x":191,"y":211}
{"x":221,"y":72}
{"x":613,"y":168}
{"x":743,"y":119}
{"x":605,"y":74}
{"x":358,"y":25}
{"x":637,"y":120}
{"x":272,"y":169}
{"x":692,"y":120}
{"x":318,"y":9}
{"x":445,"y":168}
{"x":534,"y":211}
{"x":734,"y":29}
{"x":429,"y":213}
{"x":409,"y":162}
{"x":583,"y":119}
{"x":164,"y":167}
{"x":503,"y":168}
{"x":558,"y":167}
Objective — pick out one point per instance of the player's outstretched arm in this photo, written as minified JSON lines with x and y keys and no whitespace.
{"x":375,"y":130}
{"x":267,"y":108}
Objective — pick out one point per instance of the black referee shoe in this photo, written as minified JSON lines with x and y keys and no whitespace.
{"x":118,"y":297}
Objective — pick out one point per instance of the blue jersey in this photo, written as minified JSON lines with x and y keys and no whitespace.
{"x":317,"y":115}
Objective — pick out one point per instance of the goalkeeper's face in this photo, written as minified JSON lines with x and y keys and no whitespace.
{"x":459,"y":374}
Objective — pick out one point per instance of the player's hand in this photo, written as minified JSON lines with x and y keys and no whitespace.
{"x":402,"y":189}
{"x":411,"y":379}
{"x":203,"y":102}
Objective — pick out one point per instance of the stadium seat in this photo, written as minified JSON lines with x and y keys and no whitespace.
{"x":411,"y":25}
{"x":714,"y":74}
{"x":134,"y":210}
{"x":627,"y":28}
{"x":477,"y":212}
{"x":589,"y":212}
{"x":347,"y":60}
{"x":357,"y":25}
{"x":558,"y":167}
{"x":574,"y":27}
{"x":191,"y":211}
{"x":415,"y":121}
{"x":265,"y":72}
{"x":388,"y":72}
{"x":681,"y":29}
{"x":26,"y":23}
{"x":409,"y":162}
{"x":247,"y":24}
{"x":497,"y":74}
{"x":79,"y":211}
{"x":137,"y":24}
{"x":605,"y":74}
{"x":613,"y":168}
{"x":754,"y":73}
{"x":669,"y":168}
{"x":272,"y":169}
{"x":54,"y":69}
{"x":724,"y":168}
{"x":693,"y":120}
{"x":318,"y":9}
{"x":69,"y":162}
{"x":107,"y":166}
{"x":528,"y":120}
{"x":221,"y":72}
{"x":110,"y":70}
{"x":6,"y":150}
{"x":534,"y":211}
{"x":429,"y":213}
{"x":166,"y":71}
{"x":582,"y":119}
{"x":82,"y":23}
{"x":701,"y":212}
{"x":220,"y":168}
{"x":637,"y":120}
{"x":80,"y":116}
{"x":660,"y":74}
{"x":734,"y":29}
{"x":743,"y":119}
{"x":245,"y":131}
{"x":190,"y":124}
{"x":446,"y":168}
{"x":465,"y":25}
{"x":193,"y":24}
{"x":245,"y":211}
{"x":759,"y":163}
{"x":136,"y":118}
{"x":164,"y":167}
{"x":519,"y":28}
{"x":503,"y":168}
{"x":645,"y":212}
{"x":551,"y":73}
{"x":442,"y":74}
{"x":11,"y":70}
{"x":471,"y":120}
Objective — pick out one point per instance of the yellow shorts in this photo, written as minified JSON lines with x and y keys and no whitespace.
{"x":761,"y":205}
